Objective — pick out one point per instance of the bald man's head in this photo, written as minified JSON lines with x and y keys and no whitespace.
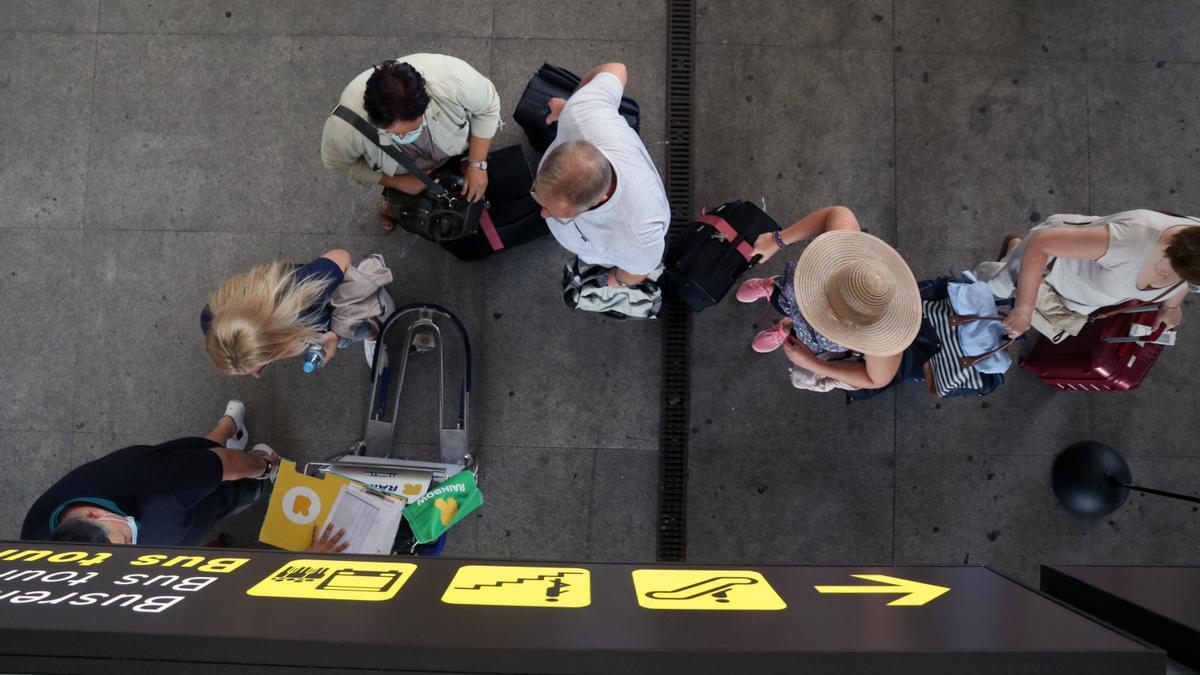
{"x":574,"y":176}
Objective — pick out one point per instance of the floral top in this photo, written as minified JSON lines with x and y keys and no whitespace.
{"x":785,"y":301}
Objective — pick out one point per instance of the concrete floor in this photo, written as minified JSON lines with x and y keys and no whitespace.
{"x":153,"y":148}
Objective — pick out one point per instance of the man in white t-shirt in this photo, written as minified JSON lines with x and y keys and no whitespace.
{"x":599,"y":190}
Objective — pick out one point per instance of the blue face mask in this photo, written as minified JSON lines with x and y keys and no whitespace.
{"x":133,"y":527}
{"x":408,"y":138}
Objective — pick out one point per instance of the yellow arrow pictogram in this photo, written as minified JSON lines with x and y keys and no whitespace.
{"x":916,"y":593}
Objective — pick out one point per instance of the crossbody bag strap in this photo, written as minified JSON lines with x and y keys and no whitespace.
{"x":1138,"y":306}
{"x":372,"y":134}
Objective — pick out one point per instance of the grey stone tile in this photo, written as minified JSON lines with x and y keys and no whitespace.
{"x":380,"y":17}
{"x":66,"y":16}
{"x":1143,"y":31}
{"x":1023,"y":417}
{"x":39,"y":290}
{"x":1002,"y":27}
{"x":800,"y":129}
{"x":185,"y":133}
{"x":550,"y":377}
{"x":41,"y":184}
{"x":44,"y":457}
{"x":141,"y":363}
{"x":1145,"y":136}
{"x":857,"y":24}
{"x":986,"y":147}
{"x":1154,"y":419}
{"x":1000,"y":511}
{"x":315,"y":199}
{"x":536,"y":503}
{"x":197,"y":16}
{"x":516,"y":60}
{"x":790,"y":507}
{"x":624,"y":506}
{"x":581,"y":19}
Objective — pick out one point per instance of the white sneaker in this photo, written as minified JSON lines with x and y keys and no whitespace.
{"x":236,"y":411}
{"x":369,"y":350}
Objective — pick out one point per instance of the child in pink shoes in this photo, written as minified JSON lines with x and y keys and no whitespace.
{"x":850,"y":303}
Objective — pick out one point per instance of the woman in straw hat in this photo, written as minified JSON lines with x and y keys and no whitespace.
{"x":848,"y":293}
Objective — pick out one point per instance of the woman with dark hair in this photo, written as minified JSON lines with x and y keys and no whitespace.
{"x":432,"y":107}
{"x":1091,"y":262}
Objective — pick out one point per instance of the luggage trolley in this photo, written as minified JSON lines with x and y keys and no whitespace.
{"x":423,"y":337}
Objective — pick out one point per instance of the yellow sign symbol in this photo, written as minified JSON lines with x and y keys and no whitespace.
{"x":412,"y":489}
{"x":335,"y":580}
{"x":301,"y":505}
{"x":520,"y":586}
{"x":705,"y":589}
{"x":915,"y":593}
{"x":447,"y":507}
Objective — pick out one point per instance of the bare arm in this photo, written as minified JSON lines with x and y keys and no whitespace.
{"x":238,"y":464}
{"x":406,"y":183}
{"x":814,"y":224}
{"x":1079,"y":243}
{"x":619,"y":277}
{"x":874,"y":372}
{"x":340,"y":256}
{"x":617,"y":69}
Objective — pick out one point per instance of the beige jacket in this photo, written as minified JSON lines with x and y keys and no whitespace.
{"x":356,"y":299}
{"x":462,"y":103}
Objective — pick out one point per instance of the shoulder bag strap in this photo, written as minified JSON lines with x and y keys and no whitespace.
{"x":957,"y":320}
{"x":1126,"y":309}
{"x":367,"y":129}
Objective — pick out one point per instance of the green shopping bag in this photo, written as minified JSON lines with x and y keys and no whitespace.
{"x":443,"y":506}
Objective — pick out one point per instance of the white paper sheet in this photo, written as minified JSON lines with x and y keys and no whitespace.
{"x":370,"y":519}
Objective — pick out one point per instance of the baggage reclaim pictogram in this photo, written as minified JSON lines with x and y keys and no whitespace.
{"x":335,"y":580}
{"x":519,"y":586}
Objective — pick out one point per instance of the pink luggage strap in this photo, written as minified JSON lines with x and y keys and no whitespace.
{"x":729,"y":233}
{"x":489,"y":230}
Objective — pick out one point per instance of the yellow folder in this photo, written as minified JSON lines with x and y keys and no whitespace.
{"x":298,"y":502}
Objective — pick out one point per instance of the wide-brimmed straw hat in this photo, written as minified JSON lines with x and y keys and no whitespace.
{"x":857,"y":291}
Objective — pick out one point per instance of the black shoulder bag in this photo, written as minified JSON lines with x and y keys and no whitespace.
{"x":439,"y":213}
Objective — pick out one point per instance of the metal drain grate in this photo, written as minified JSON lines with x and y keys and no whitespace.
{"x":677,"y":319}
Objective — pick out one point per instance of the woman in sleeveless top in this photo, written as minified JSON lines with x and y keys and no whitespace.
{"x":1093,"y":262}
{"x":849,"y":294}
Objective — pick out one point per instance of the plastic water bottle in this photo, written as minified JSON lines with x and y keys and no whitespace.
{"x":313,"y":358}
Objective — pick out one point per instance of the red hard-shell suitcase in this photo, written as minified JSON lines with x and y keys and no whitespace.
{"x":1090,"y":361}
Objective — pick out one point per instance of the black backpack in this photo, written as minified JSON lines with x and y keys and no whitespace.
{"x":707,"y":259}
{"x":554,"y":82}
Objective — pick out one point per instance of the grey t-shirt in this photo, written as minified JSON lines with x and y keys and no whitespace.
{"x":628,"y":230}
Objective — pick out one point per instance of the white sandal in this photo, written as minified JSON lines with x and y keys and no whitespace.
{"x":263,"y":450}
{"x":236,"y":411}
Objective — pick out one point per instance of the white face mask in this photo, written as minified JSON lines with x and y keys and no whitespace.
{"x":133,"y":526}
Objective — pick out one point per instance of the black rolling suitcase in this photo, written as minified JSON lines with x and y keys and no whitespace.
{"x":512,"y":217}
{"x":714,"y":252}
{"x":554,"y":82}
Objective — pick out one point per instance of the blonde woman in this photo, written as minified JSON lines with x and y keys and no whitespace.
{"x":272,"y":312}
